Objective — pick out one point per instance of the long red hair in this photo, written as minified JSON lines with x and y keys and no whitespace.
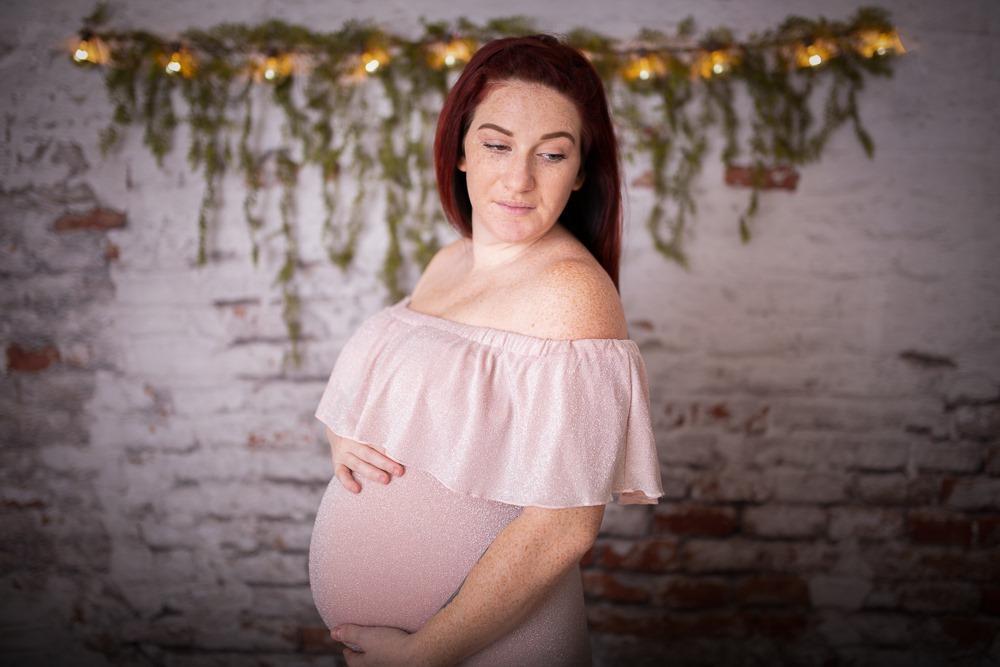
{"x":593,"y":214}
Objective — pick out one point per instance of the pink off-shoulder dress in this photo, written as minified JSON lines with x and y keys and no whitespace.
{"x":486,"y":422}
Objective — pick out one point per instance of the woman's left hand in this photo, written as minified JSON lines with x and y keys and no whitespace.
{"x":378,"y":646}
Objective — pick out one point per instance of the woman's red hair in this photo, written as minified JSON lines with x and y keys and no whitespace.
{"x":594,"y":212}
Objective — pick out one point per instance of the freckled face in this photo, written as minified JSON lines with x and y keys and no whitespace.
{"x":521,"y":161}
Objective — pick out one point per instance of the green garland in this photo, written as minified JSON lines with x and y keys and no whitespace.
{"x":329,"y":125}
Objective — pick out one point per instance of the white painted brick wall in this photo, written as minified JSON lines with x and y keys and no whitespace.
{"x":159,"y":480}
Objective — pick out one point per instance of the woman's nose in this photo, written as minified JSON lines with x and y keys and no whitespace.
{"x":519,"y":176}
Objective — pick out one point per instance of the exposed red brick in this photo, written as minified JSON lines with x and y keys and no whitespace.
{"x":711,"y":624}
{"x":719,"y":411}
{"x":631,"y":622}
{"x":773,"y":590}
{"x":988,"y":530}
{"x":315,"y":639}
{"x":938,"y":596}
{"x":694,"y":594}
{"x":780,"y":625}
{"x":694,"y":520}
{"x":677,"y":413}
{"x":96,"y":218}
{"x":968,"y":630}
{"x":947,"y":565}
{"x":773,"y":178}
{"x":31,"y":360}
{"x":11,"y":503}
{"x":644,"y":325}
{"x":947,"y":486}
{"x":592,"y":555}
{"x":990,"y":601}
{"x":969,"y":565}
{"x":660,"y":624}
{"x":647,"y":555}
{"x":610,"y":587}
{"x":932,"y":529}
{"x":111,"y":252}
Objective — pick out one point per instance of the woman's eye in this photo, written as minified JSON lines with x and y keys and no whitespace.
{"x":549,"y":157}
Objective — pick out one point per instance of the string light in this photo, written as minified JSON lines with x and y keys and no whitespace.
{"x":870,"y":43}
{"x":451,"y":53}
{"x":180,"y":62}
{"x":274,"y":67}
{"x":717,"y":62}
{"x":816,"y":52}
{"x":373,"y":59}
{"x":644,"y":65}
{"x":90,"y":49}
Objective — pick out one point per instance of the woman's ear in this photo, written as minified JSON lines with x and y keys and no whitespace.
{"x":579,"y":180}
{"x":461,"y":163}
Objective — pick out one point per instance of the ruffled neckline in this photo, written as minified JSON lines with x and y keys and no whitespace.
{"x":503,"y":338}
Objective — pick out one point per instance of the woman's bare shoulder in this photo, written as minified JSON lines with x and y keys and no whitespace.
{"x":574,"y":297}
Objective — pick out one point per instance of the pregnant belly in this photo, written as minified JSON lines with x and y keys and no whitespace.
{"x":393,"y":554}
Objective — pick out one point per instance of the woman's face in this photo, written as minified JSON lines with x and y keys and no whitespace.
{"x":522,"y":149}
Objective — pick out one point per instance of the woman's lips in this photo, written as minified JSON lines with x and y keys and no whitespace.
{"x":516,"y":210}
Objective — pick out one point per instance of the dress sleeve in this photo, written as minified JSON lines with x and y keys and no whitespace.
{"x":528,"y":421}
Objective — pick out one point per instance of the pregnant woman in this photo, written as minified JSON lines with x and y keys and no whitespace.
{"x":479,"y":425}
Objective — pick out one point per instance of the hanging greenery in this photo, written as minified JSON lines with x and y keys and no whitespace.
{"x":669,"y":94}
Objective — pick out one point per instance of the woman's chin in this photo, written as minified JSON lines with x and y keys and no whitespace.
{"x":515,"y":229}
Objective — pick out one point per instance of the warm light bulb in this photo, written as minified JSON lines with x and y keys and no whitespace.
{"x":180,"y":62}
{"x":273,"y":67}
{"x":870,"y":43}
{"x":645,"y":67}
{"x":816,"y":53}
{"x":449,"y":54}
{"x":371,"y":65}
{"x":91,"y":49}
{"x":714,"y":63}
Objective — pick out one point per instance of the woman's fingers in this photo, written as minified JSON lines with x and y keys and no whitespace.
{"x":349,"y":455}
{"x":344,"y":475}
{"x":367,"y":469}
{"x":379,"y":460}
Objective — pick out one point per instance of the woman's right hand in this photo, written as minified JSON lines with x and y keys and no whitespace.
{"x":350,"y":455}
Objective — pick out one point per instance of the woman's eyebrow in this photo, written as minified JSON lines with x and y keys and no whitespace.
{"x":550,"y":135}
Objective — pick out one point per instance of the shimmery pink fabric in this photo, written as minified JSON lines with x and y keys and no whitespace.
{"x":497,"y":414}
{"x":486,"y":422}
{"x":394,"y":554}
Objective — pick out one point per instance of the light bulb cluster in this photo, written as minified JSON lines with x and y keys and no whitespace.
{"x":645,"y":64}
{"x":640,"y":64}
{"x":178,"y":62}
{"x":90,"y":50}
{"x":871,"y":43}
{"x":715,"y":62}
{"x":452,"y":53}
{"x":275,"y":66}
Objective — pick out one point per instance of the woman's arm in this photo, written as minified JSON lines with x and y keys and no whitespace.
{"x":512,"y":577}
